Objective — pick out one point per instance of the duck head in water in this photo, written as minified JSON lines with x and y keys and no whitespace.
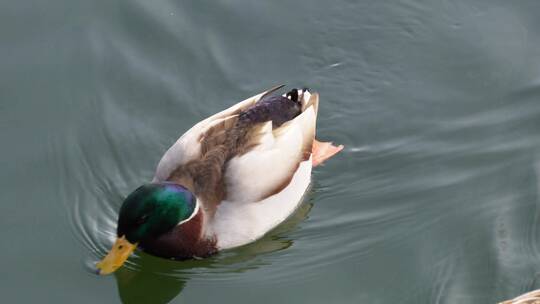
{"x":147,"y":217}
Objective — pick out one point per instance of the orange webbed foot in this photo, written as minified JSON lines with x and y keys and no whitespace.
{"x":322,"y":151}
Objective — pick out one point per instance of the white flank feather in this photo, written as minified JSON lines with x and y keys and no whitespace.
{"x":237,"y":224}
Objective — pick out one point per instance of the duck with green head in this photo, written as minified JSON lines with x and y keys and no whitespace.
{"x":226,"y":182}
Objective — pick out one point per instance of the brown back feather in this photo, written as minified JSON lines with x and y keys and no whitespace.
{"x":205,"y":176}
{"x":230,"y":137}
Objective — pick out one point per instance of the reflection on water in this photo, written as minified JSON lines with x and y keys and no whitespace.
{"x":156,"y":280}
{"x":135,"y":287}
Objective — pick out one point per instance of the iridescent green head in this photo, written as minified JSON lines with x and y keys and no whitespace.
{"x":154,"y":209}
{"x":147,"y":213}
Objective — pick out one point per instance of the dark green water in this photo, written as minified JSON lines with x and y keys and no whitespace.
{"x":434,"y":200}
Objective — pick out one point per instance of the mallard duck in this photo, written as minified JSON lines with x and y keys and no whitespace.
{"x":226,"y":182}
{"x":532,"y":297}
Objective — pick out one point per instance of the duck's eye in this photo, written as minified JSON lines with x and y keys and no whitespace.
{"x":142,"y":220}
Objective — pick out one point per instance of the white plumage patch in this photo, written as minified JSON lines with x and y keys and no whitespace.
{"x":237,"y":224}
{"x":271,"y":164}
{"x":193,"y":214}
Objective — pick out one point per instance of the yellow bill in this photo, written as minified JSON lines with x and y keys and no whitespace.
{"x":116,"y":257}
